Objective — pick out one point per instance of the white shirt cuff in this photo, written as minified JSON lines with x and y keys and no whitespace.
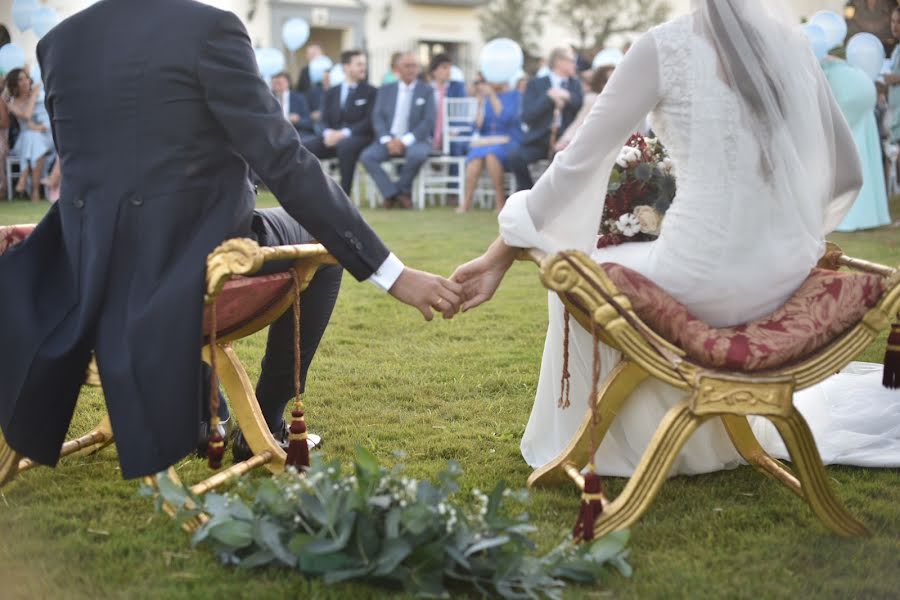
{"x":346,"y":131}
{"x":388,"y":273}
{"x":408,"y":139}
{"x":326,"y":132}
{"x":385,"y":139}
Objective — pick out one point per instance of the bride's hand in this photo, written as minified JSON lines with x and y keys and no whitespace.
{"x":481,"y":277}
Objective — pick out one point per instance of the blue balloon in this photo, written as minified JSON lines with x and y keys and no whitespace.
{"x":22,"y":11}
{"x":336,"y":75}
{"x":501,"y":59}
{"x":11,"y":57}
{"x":270,"y":61}
{"x":834,"y":26}
{"x":865,"y":52}
{"x":295,"y":33}
{"x":317,"y":68}
{"x":608,"y":57}
{"x":43,"y":20}
{"x":817,"y":39}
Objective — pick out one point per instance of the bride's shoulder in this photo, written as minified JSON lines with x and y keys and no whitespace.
{"x":675,"y":28}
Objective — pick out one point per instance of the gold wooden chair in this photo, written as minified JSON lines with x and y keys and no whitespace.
{"x":239,"y":303}
{"x":659,"y":338}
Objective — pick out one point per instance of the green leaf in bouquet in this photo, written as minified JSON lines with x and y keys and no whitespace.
{"x":608,"y":546}
{"x":392,"y":523}
{"x":298,"y":543}
{"x":416,"y":518}
{"x":643,"y":172}
{"x":318,"y":563}
{"x":344,"y":529}
{"x":346,"y":574}
{"x":314,"y":509}
{"x":260,"y":558}
{"x":382,"y":501}
{"x":271,"y":499}
{"x":458,"y":557}
{"x":495,"y":498}
{"x":487,"y":543}
{"x":366,"y":539}
{"x":173,"y":493}
{"x":393,"y":552}
{"x":233,"y":533}
{"x":366,"y":463}
{"x":267,"y":535}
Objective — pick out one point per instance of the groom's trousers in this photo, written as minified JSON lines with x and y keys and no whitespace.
{"x":275,"y":227}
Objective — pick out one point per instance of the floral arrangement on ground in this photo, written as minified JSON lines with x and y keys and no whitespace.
{"x":378,"y":525}
{"x":640,"y":190}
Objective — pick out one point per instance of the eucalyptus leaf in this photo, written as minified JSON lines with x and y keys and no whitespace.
{"x":366,"y":462}
{"x":316,"y":563}
{"x":267,"y":535}
{"x":345,"y":528}
{"x":233,"y":533}
{"x":486,"y":544}
{"x":393,"y":552}
{"x":260,"y":558}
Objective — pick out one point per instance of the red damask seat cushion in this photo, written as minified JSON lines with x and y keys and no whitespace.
{"x":245,"y":298}
{"x":825,"y":306}
{"x":13,"y":234}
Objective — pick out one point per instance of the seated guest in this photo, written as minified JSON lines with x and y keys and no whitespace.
{"x":403,"y":121}
{"x":439,"y":74}
{"x":597,"y":82}
{"x":548,"y":108}
{"x":293,"y":105}
{"x":498,"y":131}
{"x":35,"y":142}
{"x":347,"y":118}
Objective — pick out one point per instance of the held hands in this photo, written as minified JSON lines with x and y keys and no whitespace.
{"x":395,"y":147}
{"x":481,"y":277}
{"x":559,"y":96}
{"x":426,"y":291}
{"x":332,"y":137}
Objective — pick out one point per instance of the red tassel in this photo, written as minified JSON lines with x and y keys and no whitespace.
{"x":215,"y":448}
{"x":591,"y":507}
{"x":298,"y":448}
{"x":891,"y":378}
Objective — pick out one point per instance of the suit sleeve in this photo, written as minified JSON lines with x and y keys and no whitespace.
{"x":379,"y":124}
{"x":536,"y":103}
{"x":252,"y":119}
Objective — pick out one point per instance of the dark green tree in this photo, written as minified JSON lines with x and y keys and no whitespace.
{"x":519,"y":20}
{"x":594,"y":21}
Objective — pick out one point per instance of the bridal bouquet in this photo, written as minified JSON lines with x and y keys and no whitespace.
{"x":640,"y":191}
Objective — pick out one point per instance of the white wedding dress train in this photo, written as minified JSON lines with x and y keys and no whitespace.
{"x":730,"y":250}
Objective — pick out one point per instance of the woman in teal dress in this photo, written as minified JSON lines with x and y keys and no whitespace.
{"x":498,"y":129}
{"x":856,"y":95}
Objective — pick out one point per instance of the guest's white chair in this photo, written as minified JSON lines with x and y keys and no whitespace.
{"x":437,"y":178}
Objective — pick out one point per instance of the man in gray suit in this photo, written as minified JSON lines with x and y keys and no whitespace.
{"x":403,"y":120}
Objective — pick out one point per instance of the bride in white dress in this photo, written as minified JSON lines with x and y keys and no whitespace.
{"x":766,"y":167}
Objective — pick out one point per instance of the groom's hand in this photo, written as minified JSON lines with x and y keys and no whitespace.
{"x":426,"y":291}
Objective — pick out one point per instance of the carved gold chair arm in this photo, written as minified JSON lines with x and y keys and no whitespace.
{"x":244,"y":257}
{"x":834,"y":258}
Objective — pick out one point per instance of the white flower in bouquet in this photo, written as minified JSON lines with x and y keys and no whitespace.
{"x":628,"y":156}
{"x":648,"y":219}
{"x":629,"y":225}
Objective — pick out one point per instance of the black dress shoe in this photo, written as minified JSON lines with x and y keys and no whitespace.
{"x":240,"y":449}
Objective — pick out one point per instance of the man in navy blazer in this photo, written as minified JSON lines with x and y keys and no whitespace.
{"x":293,"y":106}
{"x":549,"y":106}
{"x":155,"y":176}
{"x":444,"y":87}
{"x":403,"y":120}
{"x":347,"y":118}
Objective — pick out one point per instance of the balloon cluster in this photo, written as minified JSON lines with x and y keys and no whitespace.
{"x":827,"y":30}
{"x":28,"y":14}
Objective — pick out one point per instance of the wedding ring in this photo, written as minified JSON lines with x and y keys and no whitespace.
{"x":439,"y":302}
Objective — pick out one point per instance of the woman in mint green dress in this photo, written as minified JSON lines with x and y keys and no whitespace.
{"x":856,"y":95}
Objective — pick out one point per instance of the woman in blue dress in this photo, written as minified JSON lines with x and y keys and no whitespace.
{"x":35,"y":141}
{"x":498,"y":129}
{"x":856,"y":95}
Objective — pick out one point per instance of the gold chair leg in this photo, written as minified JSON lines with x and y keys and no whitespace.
{"x":245,"y":407}
{"x":747,"y":445}
{"x":100,"y":437}
{"x":805,"y":457}
{"x":675,"y":429}
{"x":623,"y":379}
{"x":9,"y":462}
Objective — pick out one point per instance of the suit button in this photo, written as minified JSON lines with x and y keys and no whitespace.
{"x":358,"y":245}
{"x":137,"y":200}
{"x":79,"y":203}
{"x":348,"y":235}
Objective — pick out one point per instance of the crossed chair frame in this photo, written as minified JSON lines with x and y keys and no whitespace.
{"x":238,"y":257}
{"x":594,"y":301}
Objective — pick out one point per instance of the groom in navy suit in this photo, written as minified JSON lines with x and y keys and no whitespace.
{"x":403,"y":120}
{"x":549,"y":106}
{"x":347,"y":117}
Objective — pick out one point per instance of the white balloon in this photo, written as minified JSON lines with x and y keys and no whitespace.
{"x":834,"y":26}
{"x":456,"y":74}
{"x":817,"y":39}
{"x":865,"y":52}
{"x":608,"y":57}
{"x":515,"y":79}
{"x":336,"y":75}
{"x":11,"y":57}
{"x":43,"y":20}
{"x":317,"y":68}
{"x":543,"y":71}
{"x":270,"y":61}
{"x":501,"y":58}
{"x":295,"y":33}
{"x":22,"y":11}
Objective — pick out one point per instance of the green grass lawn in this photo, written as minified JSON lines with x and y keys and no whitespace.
{"x":458,"y":390}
